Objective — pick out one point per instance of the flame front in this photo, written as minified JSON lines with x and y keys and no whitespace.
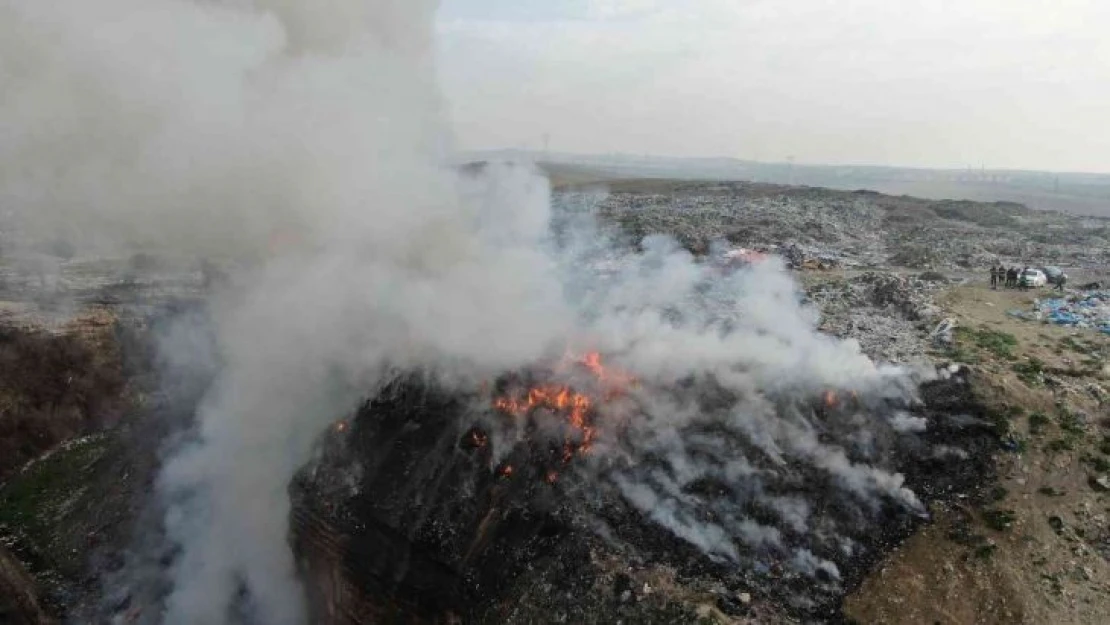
{"x":576,"y":408}
{"x":561,"y":400}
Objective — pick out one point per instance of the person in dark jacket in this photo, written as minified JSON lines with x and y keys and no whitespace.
{"x":994,"y":277}
{"x":1061,"y":280}
{"x":1010,"y":277}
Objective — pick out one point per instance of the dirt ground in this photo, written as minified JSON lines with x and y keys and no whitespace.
{"x":1038,"y":552}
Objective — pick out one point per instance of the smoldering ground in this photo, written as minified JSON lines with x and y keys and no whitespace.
{"x":307,"y":142}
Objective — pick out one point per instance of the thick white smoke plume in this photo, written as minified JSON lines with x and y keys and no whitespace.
{"x":307,"y":138}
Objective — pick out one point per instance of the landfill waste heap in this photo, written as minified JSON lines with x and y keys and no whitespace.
{"x":422,"y":509}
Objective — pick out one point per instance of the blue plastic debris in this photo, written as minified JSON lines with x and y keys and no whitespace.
{"x":1090,"y":309}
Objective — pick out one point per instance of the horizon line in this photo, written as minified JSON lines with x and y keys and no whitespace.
{"x":971,"y":168}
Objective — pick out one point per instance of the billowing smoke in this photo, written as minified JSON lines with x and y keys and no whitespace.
{"x":750,"y":435}
{"x":305,"y":141}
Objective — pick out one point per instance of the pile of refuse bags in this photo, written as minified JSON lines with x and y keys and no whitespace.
{"x":1089,"y":309}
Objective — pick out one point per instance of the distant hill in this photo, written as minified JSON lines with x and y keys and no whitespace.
{"x":1077,"y":193}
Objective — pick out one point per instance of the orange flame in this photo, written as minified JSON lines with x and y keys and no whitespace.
{"x":592,"y":361}
{"x":575,"y":407}
{"x":614,"y":381}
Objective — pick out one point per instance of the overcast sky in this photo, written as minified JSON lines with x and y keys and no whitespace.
{"x":941,"y":83}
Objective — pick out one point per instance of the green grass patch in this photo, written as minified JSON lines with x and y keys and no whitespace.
{"x":1000,"y":344}
{"x":1038,"y":421}
{"x":1030,"y":371}
{"x":999,"y":520}
{"x":1098,"y":463}
{"x":960,"y":350}
{"x":1000,"y":420}
{"x":998,"y":493}
{"x":959,"y":353}
{"x":985,"y":552}
{"x":1059,"y":445}
{"x":38,"y":495}
{"x":989,"y":215}
{"x":1071,"y":423}
{"x":1069,"y":343}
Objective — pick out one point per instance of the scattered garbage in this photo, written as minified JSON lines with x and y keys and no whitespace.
{"x":1087,"y":309}
{"x":942,"y":334}
{"x":890,"y":316}
{"x":742,"y":257}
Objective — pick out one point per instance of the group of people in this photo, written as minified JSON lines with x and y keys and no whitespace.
{"x":1009,"y":278}
{"x":1015,"y":278}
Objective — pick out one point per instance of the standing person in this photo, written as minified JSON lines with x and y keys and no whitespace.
{"x":1009,"y":277}
{"x":1061,"y":280}
{"x":994,"y":277}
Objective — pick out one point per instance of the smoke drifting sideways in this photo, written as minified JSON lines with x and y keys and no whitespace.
{"x":309,"y":139}
{"x":749,"y":434}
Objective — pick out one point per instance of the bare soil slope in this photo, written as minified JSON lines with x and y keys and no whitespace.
{"x":1038,"y":552}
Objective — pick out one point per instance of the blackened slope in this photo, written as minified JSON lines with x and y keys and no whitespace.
{"x":52,"y":388}
{"x":427,"y":528}
{"x":405,"y":518}
{"x":19,"y":603}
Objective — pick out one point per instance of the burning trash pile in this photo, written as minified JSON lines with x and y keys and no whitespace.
{"x":741,"y":257}
{"x":717,"y":442}
{"x":496,"y":502}
{"x":794,"y":256}
{"x":1087,"y":309}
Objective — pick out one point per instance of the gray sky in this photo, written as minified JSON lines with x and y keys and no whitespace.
{"x":941,"y":83}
